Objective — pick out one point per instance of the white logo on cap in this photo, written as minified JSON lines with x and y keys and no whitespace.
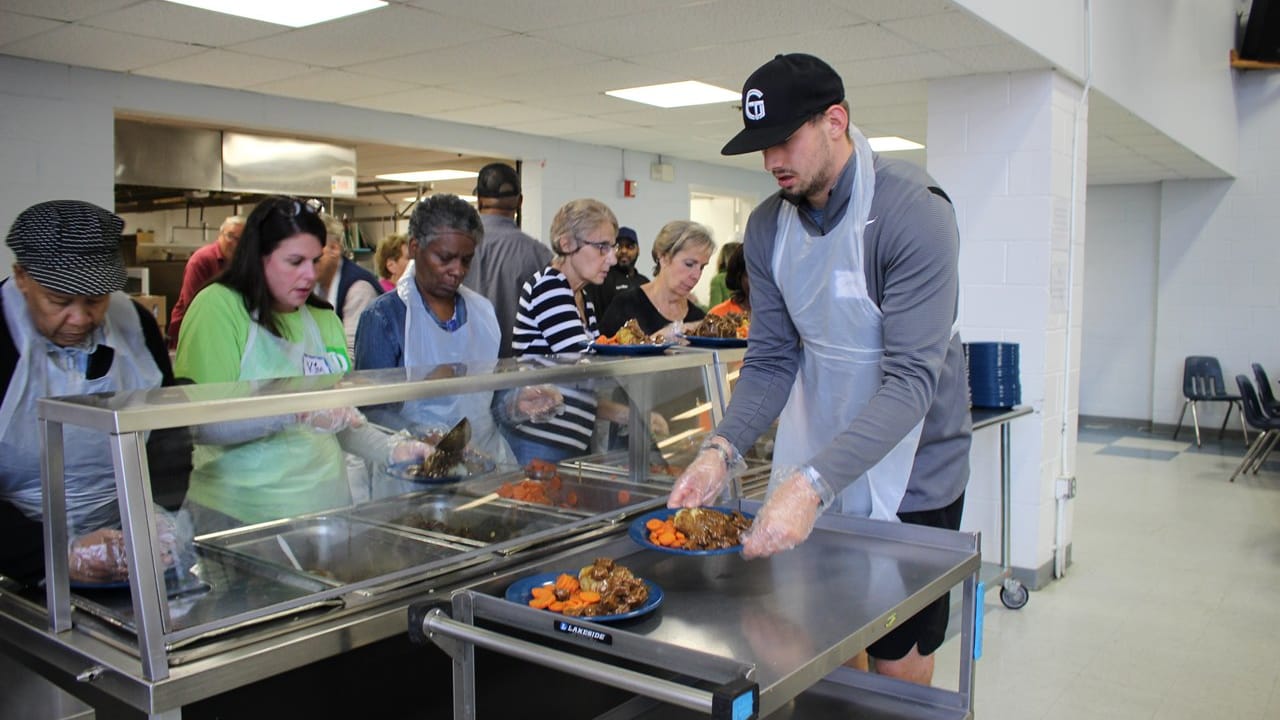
{"x":753,"y":104}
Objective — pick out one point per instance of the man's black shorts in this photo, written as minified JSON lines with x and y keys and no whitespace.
{"x":927,"y":628}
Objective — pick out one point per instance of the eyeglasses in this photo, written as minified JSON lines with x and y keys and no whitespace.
{"x":604,"y":247}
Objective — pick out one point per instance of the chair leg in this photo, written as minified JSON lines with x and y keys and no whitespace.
{"x":1180,"y":416}
{"x":1243,"y":427}
{"x":1195,"y":421}
{"x":1225,"y":418}
{"x":1247,"y":461}
{"x":1267,"y":447}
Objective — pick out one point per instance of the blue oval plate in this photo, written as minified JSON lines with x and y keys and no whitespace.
{"x":646,"y":349}
{"x":521,"y":591}
{"x":711,"y":342}
{"x":404,"y":471}
{"x":640,"y":533}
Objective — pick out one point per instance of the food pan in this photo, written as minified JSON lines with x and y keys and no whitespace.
{"x":480,"y":523}
{"x":336,"y":549}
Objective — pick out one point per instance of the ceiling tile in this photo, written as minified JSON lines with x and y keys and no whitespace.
{"x":563,"y":126}
{"x":66,"y":10}
{"x":222,"y":68}
{"x":1000,"y":58}
{"x":16,"y":27}
{"x":103,"y":49}
{"x":494,"y":57}
{"x":523,"y":16}
{"x":170,"y":21}
{"x":332,"y":86}
{"x":947,"y":30}
{"x":881,"y":10}
{"x":387,"y":32}
{"x":687,"y":26}
{"x":499,"y":114}
{"x":897,"y":69}
{"x":572,"y":80}
{"x":424,"y":101}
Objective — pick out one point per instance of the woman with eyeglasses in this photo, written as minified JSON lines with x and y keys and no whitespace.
{"x":681,"y":250}
{"x":555,"y":317}
{"x":259,"y":319}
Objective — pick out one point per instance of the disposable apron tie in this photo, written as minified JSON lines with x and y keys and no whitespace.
{"x":47,"y":370}
{"x":823,"y":283}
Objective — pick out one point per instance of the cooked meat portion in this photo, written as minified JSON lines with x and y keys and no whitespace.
{"x":707,"y":529}
{"x":631,"y":334}
{"x":720,"y":326}
{"x":620,"y":590}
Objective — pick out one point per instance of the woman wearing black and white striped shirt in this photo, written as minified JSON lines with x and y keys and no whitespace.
{"x":555,"y":317}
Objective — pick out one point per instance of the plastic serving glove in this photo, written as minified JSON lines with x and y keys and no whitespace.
{"x":658,"y":425}
{"x":786,"y":518}
{"x":100,"y":556}
{"x":332,"y":420}
{"x":404,"y":449}
{"x":705,"y":478}
{"x":537,"y":403}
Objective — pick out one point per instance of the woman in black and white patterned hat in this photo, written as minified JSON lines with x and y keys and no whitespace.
{"x":67,"y":329}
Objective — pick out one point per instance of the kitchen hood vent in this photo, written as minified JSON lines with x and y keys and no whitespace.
{"x":170,"y":156}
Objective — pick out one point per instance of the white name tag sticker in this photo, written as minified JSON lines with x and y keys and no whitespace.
{"x":314,"y":365}
{"x":850,"y":284}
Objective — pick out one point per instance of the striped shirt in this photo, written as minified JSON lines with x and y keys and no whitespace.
{"x":547,"y":323}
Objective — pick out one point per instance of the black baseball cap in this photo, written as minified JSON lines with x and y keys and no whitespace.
{"x":627,"y":235}
{"x":779,"y":97}
{"x":497,"y":180}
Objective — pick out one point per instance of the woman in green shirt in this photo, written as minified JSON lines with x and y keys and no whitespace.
{"x":259,"y":320}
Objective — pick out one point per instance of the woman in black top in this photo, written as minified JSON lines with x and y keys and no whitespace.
{"x":682,"y":249}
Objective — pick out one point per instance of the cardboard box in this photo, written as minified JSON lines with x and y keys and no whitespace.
{"x":155,"y":305}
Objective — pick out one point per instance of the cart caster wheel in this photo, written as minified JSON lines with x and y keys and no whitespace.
{"x":1014,"y":598}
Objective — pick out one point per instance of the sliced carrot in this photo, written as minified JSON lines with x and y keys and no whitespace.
{"x":654,"y":524}
{"x":542,"y":591}
{"x":541,"y":603}
{"x":556,"y":606}
{"x":589,"y":597}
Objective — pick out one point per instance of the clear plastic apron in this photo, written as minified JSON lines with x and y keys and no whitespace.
{"x":427,"y":344}
{"x":823,"y":284}
{"x":46,"y":370}
{"x":297,"y":470}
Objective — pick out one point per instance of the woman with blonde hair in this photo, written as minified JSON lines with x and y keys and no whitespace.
{"x":682,"y":249}
{"x":391,"y":258}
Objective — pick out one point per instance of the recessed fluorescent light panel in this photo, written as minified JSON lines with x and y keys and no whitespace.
{"x":293,"y":13}
{"x":677,"y":94}
{"x":422,"y":176}
{"x":890,"y":143}
{"x":412,"y":199}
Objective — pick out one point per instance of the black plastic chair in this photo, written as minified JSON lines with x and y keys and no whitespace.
{"x":1265,"y":396}
{"x":1268,"y":427}
{"x":1202,"y":382}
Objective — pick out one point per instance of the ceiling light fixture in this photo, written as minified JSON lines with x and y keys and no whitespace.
{"x":414,"y":198}
{"x":892,"y":143}
{"x":676,"y":94}
{"x":293,"y":13}
{"x":422,"y":176}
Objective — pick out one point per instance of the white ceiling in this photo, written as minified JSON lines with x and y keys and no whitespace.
{"x":542,"y":66}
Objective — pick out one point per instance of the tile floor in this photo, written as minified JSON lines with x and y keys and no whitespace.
{"x":1171,"y":607}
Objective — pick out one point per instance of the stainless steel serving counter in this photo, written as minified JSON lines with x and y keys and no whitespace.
{"x":783,"y":624}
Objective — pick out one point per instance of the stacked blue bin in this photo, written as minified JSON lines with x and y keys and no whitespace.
{"x":994,"y":376}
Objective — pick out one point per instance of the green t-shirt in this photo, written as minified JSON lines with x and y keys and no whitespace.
{"x":719,"y":291}
{"x":216,"y":328}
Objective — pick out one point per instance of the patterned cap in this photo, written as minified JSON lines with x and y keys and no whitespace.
{"x":70,"y":246}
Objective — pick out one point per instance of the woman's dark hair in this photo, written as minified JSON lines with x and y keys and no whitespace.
{"x":735,"y":274}
{"x":271,"y":222}
{"x":726,"y":252}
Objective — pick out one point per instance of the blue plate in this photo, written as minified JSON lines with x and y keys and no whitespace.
{"x":521,"y":591}
{"x":640,"y":533}
{"x":711,"y":342}
{"x":646,"y":349}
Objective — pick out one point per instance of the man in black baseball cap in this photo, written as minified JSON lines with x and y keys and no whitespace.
{"x":508,"y":256}
{"x":852,"y":266}
{"x":622,"y":276}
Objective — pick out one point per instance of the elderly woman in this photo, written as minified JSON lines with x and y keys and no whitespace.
{"x":67,"y":329}
{"x":346,"y":286}
{"x":431,"y":319}
{"x":556,"y":318}
{"x":391,"y":258}
{"x":682,"y":249}
{"x":261,"y":319}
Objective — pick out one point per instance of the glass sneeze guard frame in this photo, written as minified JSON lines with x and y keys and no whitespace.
{"x":127,"y":416}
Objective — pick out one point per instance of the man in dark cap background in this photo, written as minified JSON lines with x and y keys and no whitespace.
{"x":67,"y":329}
{"x":622,"y":276}
{"x":507,"y":257}
{"x":852,"y":266}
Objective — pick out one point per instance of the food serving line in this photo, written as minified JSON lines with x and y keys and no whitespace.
{"x":269,"y":598}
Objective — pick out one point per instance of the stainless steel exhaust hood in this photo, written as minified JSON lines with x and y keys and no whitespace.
{"x":169,"y":156}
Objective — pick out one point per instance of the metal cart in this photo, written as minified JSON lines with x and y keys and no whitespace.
{"x":1013,"y":593}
